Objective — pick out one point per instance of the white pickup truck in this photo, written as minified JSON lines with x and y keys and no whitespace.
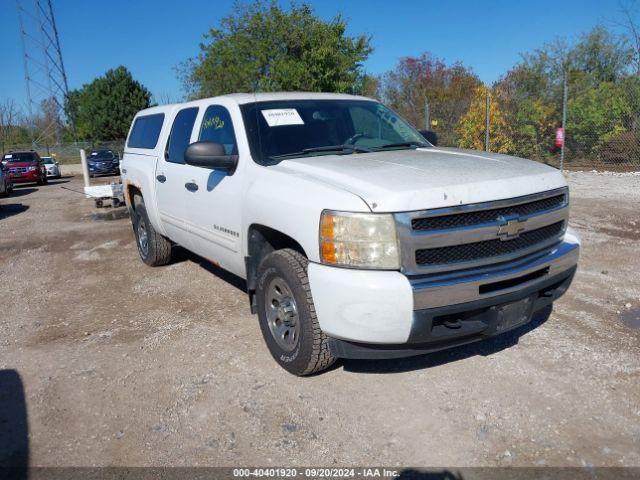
{"x":357,"y":237}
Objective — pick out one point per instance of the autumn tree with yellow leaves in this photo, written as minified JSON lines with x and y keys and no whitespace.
{"x":472,"y":126}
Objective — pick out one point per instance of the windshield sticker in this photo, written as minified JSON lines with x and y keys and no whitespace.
{"x":7,"y":156}
{"x":277,"y":117}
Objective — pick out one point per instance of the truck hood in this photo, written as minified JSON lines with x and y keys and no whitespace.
{"x":404,"y":180}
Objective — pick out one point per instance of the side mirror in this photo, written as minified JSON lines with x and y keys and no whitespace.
{"x":210,"y":155}
{"x":430,"y":136}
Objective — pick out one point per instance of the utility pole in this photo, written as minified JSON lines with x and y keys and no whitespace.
{"x":486,"y":127}
{"x":564,"y":119}
{"x":427,"y":115}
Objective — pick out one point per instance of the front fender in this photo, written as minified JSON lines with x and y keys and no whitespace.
{"x":292,"y":204}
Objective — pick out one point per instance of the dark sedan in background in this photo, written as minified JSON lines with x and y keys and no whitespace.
{"x":103,"y":162}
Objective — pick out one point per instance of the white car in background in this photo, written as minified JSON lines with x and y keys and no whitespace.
{"x":53,"y":167}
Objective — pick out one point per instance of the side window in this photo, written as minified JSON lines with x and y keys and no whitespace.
{"x":145,"y":131}
{"x":180,"y":135}
{"x":217,"y":127}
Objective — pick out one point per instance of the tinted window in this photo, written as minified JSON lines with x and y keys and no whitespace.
{"x":180,"y":135}
{"x":146,"y":131}
{"x":217,"y":127}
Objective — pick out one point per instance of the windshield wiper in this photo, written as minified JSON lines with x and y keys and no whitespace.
{"x":326,"y":148}
{"x":331,"y":148}
{"x":404,"y":144}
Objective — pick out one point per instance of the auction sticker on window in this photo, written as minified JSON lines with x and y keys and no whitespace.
{"x":277,"y":117}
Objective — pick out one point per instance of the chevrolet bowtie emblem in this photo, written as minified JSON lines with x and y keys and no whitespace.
{"x":511,"y":229}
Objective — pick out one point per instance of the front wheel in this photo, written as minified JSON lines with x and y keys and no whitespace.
{"x":287,"y":314}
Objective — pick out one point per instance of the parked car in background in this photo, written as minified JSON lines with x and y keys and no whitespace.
{"x":356,"y":236}
{"x":6,"y":186}
{"x":103,"y":162}
{"x":26,"y":167}
{"x":53,"y":167}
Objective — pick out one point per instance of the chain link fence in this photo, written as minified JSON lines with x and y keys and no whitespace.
{"x":601,"y":130}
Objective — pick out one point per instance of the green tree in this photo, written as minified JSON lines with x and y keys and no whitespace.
{"x":261,"y":47}
{"x":597,"y":116}
{"x":531,"y":115}
{"x":530,"y":94}
{"x":104,"y":108}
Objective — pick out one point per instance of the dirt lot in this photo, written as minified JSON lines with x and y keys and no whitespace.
{"x":123,"y":364}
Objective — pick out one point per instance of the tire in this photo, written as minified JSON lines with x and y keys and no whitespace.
{"x":304,"y":349}
{"x":154,"y":249}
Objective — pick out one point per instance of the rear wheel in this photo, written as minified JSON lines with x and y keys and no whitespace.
{"x":154,"y":249}
{"x":287,"y":314}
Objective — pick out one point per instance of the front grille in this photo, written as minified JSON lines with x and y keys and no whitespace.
{"x":467,"y":219}
{"x":18,"y":169}
{"x":470,"y":252}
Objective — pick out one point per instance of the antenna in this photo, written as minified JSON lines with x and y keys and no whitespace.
{"x":44,"y":73}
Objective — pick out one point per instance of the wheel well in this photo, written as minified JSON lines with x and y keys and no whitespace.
{"x":262,"y":241}
{"x":133,"y":193}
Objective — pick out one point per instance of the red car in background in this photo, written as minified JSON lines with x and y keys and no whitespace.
{"x":25,"y":167}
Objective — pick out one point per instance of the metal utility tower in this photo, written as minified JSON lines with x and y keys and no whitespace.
{"x":45,"y":77}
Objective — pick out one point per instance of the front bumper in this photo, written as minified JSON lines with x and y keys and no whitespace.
{"x":103,"y":170}
{"x":25,"y":177}
{"x":373,"y":314}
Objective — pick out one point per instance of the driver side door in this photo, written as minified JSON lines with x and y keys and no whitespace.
{"x":213,"y":213}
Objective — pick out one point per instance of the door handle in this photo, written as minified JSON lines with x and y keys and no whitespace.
{"x":192,"y":187}
{"x":161,"y":178}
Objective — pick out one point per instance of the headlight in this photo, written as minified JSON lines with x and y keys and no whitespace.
{"x":359,"y":240}
{"x":31,"y":169}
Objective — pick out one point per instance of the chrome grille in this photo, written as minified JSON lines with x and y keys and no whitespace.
{"x":468,"y":252}
{"x":478,"y":235}
{"x":485,"y":216}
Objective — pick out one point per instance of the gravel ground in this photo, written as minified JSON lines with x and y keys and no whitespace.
{"x":123,"y":364}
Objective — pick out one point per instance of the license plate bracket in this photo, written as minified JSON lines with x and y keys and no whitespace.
{"x":514,"y":314}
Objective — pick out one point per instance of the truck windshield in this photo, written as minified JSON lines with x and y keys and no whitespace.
{"x":279,"y":130}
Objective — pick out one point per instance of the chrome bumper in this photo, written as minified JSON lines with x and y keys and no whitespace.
{"x":471,"y":285}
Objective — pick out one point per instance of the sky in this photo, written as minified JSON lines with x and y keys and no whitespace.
{"x":151,"y":38}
